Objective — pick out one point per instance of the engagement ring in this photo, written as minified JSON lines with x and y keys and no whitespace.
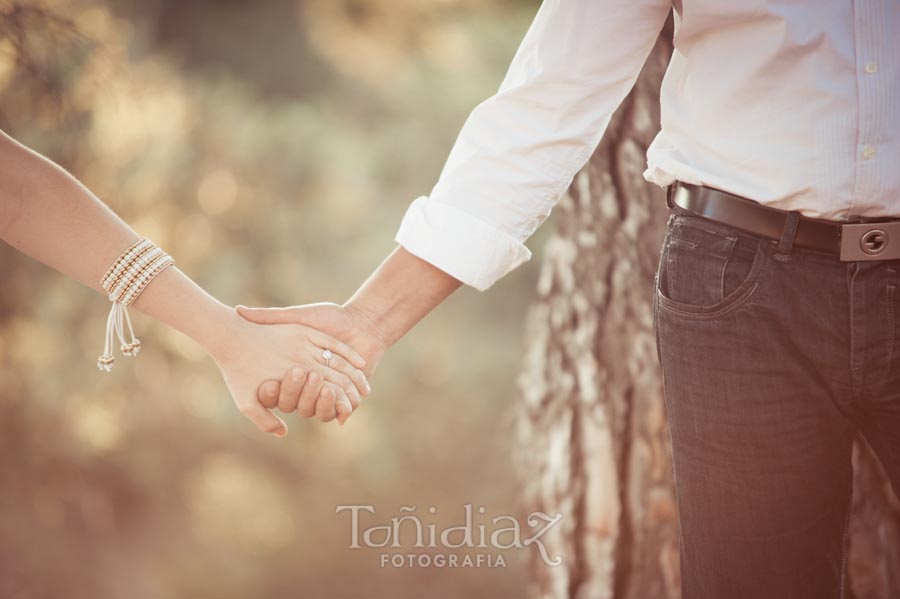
{"x":326,"y":353}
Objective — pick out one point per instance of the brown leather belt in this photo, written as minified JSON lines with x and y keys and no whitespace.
{"x":862,"y":239}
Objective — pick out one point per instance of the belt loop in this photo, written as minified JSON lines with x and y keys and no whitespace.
{"x":670,"y":194}
{"x":782,"y":252}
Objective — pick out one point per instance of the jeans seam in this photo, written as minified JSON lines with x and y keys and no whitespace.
{"x":845,"y":543}
{"x":725,"y":264}
{"x":854,"y":370}
{"x":890,"y":317}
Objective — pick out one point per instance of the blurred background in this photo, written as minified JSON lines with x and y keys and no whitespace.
{"x":272,"y":147}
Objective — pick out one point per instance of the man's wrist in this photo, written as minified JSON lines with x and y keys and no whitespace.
{"x":370,"y":325}
{"x":386,"y":306}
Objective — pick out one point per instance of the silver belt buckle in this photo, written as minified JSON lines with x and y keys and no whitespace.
{"x":870,"y":241}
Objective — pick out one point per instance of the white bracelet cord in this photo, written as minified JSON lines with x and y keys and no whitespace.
{"x":124,"y":281}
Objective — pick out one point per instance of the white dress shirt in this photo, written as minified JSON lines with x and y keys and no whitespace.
{"x":792,"y":103}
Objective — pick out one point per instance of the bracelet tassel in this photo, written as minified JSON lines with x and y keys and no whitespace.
{"x":124,"y":281}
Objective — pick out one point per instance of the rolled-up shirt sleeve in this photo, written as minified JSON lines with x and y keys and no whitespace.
{"x":519,"y":150}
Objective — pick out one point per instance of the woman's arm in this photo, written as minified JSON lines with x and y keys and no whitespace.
{"x":47,"y":214}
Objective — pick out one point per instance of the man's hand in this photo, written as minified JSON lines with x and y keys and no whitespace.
{"x":401,"y":291}
{"x":248,"y":353}
{"x":347,"y":324}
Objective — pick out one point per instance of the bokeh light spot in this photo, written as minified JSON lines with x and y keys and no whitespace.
{"x":240,"y":505}
{"x":217,"y":192}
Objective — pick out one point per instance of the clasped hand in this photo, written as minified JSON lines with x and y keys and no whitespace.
{"x":273,"y":358}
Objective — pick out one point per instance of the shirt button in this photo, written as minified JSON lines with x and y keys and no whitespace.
{"x":871,"y":67}
{"x":868,"y":152}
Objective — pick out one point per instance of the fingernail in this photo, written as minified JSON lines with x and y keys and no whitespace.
{"x":313,"y":378}
{"x":281,"y":432}
{"x":239,"y":306}
{"x":368,"y":388}
{"x":297,"y":374}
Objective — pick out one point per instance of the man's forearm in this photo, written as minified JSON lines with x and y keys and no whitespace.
{"x":402,"y":291}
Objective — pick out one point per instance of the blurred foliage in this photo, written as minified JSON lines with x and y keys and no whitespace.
{"x":272,"y":147}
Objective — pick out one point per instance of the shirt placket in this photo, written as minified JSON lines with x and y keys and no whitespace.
{"x":871,"y":106}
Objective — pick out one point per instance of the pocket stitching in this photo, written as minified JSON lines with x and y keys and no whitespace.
{"x":683,"y":242}
{"x":703,"y":312}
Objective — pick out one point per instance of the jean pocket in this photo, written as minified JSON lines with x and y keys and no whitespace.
{"x":706,"y":268}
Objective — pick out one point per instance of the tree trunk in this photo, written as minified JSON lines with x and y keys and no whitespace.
{"x":593,"y":440}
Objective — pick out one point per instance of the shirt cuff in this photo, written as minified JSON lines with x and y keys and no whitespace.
{"x":464,"y":246}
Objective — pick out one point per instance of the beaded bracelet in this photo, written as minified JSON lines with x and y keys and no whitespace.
{"x":124,"y":281}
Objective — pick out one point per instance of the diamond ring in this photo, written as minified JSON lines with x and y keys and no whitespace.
{"x":327,"y":355}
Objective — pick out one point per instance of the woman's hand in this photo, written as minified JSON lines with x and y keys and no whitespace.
{"x":248,"y":354}
{"x":345,"y":324}
{"x":382,"y":310}
{"x":45,"y":212}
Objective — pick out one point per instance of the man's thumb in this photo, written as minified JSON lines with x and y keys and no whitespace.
{"x":267,"y":315}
